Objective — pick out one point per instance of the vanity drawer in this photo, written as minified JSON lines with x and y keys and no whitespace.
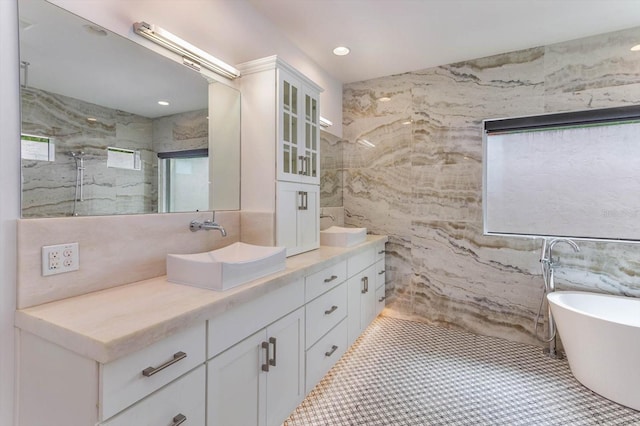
{"x":360,"y":261}
{"x":181,"y":399}
{"x":325,"y":312}
{"x":324,"y":354}
{"x":131,"y":378}
{"x":321,"y":281}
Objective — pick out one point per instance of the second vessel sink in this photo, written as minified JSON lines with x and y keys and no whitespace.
{"x":227,"y":267}
{"x":339,"y":236}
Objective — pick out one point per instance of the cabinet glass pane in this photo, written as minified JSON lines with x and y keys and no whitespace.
{"x":314,"y":161}
{"x":314,"y":111}
{"x":294,"y":130}
{"x":307,"y":107}
{"x":286,"y":101}
{"x":307,"y":138}
{"x":294,"y":100}
{"x":287,"y":159}
{"x":294,"y":160}
{"x":286,"y":128}
{"x":314,"y":139}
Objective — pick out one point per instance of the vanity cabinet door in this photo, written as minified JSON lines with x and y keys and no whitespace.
{"x":260,"y":380}
{"x":235,"y":384}
{"x":297,"y":217}
{"x":361,"y":300}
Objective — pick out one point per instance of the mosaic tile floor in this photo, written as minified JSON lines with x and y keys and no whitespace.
{"x":408,"y":373}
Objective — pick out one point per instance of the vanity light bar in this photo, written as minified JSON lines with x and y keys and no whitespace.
{"x":174,"y":43}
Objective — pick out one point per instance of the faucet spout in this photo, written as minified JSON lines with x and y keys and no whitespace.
{"x":207,"y":225}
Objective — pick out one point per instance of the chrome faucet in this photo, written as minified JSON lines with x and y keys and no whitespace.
{"x":333,"y":219}
{"x":548,"y":265}
{"x":207,"y":225}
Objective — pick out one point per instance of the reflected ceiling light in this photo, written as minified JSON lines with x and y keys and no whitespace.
{"x":163,"y":103}
{"x":405,"y":122}
{"x":635,"y":48}
{"x":384,"y":99}
{"x":189,"y":52}
{"x":341,"y":51}
{"x":365,"y":143}
{"x":92,"y":119}
{"x":325,"y":123}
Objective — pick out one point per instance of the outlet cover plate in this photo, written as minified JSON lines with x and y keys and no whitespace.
{"x":60,"y":258}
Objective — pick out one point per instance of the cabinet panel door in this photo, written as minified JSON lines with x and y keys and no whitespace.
{"x":354,"y":287}
{"x":288,"y":201}
{"x":309,"y":218}
{"x":285,"y":379}
{"x":290,"y":127}
{"x":235,"y":384}
{"x":368,"y":297}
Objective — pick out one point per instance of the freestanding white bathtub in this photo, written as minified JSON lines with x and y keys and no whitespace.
{"x":601,"y":337}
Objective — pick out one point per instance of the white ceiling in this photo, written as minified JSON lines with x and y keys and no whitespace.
{"x":394,"y":36}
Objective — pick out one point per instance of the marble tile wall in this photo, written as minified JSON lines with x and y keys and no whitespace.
{"x":331,"y":169}
{"x":413,"y":171}
{"x":49,"y":187}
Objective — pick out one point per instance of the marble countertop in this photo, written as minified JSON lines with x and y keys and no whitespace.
{"x":109,"y":324}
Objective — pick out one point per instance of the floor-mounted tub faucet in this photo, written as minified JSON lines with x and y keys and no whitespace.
{"x":207,"y":225}
{"x":548,"y":265}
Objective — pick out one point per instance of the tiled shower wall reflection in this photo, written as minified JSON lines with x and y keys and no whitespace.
{"x":413,"y":171}
{"x":49,"y":188}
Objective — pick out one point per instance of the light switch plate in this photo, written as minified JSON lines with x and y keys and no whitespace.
{"x":60,"y":258}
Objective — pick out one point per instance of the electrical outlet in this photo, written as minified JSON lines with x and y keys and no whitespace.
{"x":60,"y":258}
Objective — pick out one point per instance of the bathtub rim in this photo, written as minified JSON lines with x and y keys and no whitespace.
{"x":550,"y":299}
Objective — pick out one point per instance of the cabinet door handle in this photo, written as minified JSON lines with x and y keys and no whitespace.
{"x":333,"y":277}
{"x":179,"y":419}
{"x":382,"y":299}
{"x":306,"y":200}
{"x":150,"y":371}
{"x":330,"y":311}
{"x":365,"y":286}
{"x":382,"y":252}
{"x":265,"y":366}
{"x":303,"y":165}
{"x":272,"y":361}
{"x":382,"y":272}
{"x":300,"y":200}
{"x":333,"y":349}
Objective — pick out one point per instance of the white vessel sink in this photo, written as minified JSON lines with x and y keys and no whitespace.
{"x":227,"y":267}
{"x":338,"y":236}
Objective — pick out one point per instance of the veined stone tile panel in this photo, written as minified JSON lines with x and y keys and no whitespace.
{"x":600,"y":61}
{"x":486,"y":284}
{"x":387,"y":145}
{"x":399,"y":274}
{"x":605,"y":97}
{"x":451,"y":192}
{"x":362,"y":105}
{"x":331,"y":170}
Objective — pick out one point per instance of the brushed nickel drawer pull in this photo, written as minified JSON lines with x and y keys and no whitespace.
{"x":365,"y":287}
{"x":150,"y":371}
{"x":272,"y":361}
{"x":382,"y":299}
{"x":333,"y":277}
{"x":330,"y":311}
{"x":382,"y":252}
{"x":382,"y":272}
{"x":179,"y":419}
{"x":265,"y":366}
{"x":333,"y":349}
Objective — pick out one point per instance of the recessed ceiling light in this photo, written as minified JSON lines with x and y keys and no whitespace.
{"x":92,"y":29}
{"x":163,"y":103}
{"x":384,"y":99}
{"x":635,"y":48}
{"x":341,"y":51}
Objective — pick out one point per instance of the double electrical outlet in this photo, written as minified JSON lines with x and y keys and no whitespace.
{"x":60,"y":258}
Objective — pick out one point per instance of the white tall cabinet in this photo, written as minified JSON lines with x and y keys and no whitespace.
{"x":281,"y":150}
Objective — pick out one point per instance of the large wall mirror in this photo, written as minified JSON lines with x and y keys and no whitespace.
{"x":111,"y":127}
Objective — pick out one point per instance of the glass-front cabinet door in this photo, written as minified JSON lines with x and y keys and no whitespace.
{"x":299,"y":133}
